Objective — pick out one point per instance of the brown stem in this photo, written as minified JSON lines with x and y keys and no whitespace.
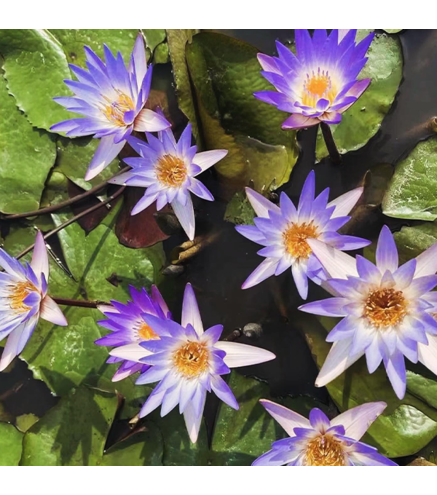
{"x":63,"y":204}
{"x":77,"y":303}
{"x":330,"y":143}
{"x":234,"y":335}
{"x":74,"y":219}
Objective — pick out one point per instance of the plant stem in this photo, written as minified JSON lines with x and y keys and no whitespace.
{"x":74,"y":219}
{"x":234,"y":335}
{"x":330,"y":143}
{"x":63,"y":204}
{"x":77,"y":303}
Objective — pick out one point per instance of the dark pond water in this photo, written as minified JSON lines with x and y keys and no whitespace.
{"x":218,"y":271}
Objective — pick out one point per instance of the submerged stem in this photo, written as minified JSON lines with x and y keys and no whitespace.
{"x":63,"y":204}
{"x":74,"y":219}
{"x":75,"y":302}
{"x":330,"y":143}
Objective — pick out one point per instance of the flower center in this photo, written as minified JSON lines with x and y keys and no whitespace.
{"x":295,"y":239}
{"x":146,"y":333}
{"x":324,"y":450}
{"x":317,"y":86}
{"x":171,"y":170}
{"x":20,"y":292}
{"x":385,"y":307}
{"x":191,"y":359}
{"x":115,"y":110}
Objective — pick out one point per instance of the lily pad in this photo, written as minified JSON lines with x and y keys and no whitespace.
{"x":411,"y":192}
{"x":225,"y":74}
{"x":74,"y":40}
{"x":10,"y":445}
{"x":154,"y":37}
{"x":73,"y":433}
{"x":239,"y":211}
{"x":177,"y":40}
{"x":141,"y":449}
{"x":35,"y":68}
{"x":412,"y":241}
{"x":363,"y":120}
{"x":405,"y":427}
{"x":26,"y":157}
{"x":26,"y":421}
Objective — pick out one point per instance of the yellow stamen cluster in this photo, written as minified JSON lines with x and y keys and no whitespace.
{"x":325,"y":450}
{"x":295,"y":239}
{"x":191,"y":359}
{"x":385,"y":307}
{"x":19,"y":293}
{"x":146,"y":333}
{"x":171,"y":171}
{"x":115,"y":110}
{"x":317,"y":86}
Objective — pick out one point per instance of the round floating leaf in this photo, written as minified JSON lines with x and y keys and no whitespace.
{"x":411,"y":192}
{"x":26,"y":421}
{"x":405,"y":427}
{"x":26,"y":157}
{"x":154,"y":37}
{"x":141,"y":449}
{"x":73,"y":433}
{"x":411,"y":241}
{"x":10,"y":445}
{"x":225,"y":73}
{"x":74,"y":40}
{"x":35,"y":68}
{"x":363,"y":119}
{"x":239,"y":210}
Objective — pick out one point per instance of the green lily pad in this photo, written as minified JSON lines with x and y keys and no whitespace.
{"x":142,"y":449}
{"x":73,"y":433}
{"x":405,"y":427}
{"x":225,"y":73}
{"x":411,"y":241}
{"x":74,"y":40}
{"x":26,"y":157}
{"x":154,"y":37}
{"x":411,"y":192}
{"x":242,"y":436}
{"x":74,"y":156}
{"x":392,"y":31}
{"x":161,"y":54}
{"x":177,"y":40}
{"x":35,"y":68}
{"x":239,"y":211}
{"x":363,"y":120}
{"x":10,"y":445}
{"x":26,"y":421}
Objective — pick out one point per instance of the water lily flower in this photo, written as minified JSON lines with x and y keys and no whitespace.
{"x":387,"y":310}
{"x":284,"y":231}
{"x":24,"y":299}
{"x":112,"y":99}
{"x":168,"y":169}
{"x":321,"y":442}
{"x":320,"y":82}
{"x":187,"y":362}
{"x":128,"y":327}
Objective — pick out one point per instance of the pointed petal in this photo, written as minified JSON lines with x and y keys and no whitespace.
{"x":193,"y":419}
{"x":40,"y":261}
{"x":289,"y":420}
{"x":149,"y":121}
{"x":207,"y":159}
{"x":260,"y":204}
{"x":297,"y":121}
{"x":427,"y":262}
{"x":50,"y":311}
{"x":185,"y":215}
{"x":265,"y":270}
{"x":428,"y":353}
{"x":356,"y":421}
{"x":344,"y":203}
{"x":104,"y":155}
{"x":190,"y":310}
{"x":337,"y":361}
{"x":243,"y":355}
{"x":131,"y":352}
{"x":335,"y":262}
{"x":386,"y":252}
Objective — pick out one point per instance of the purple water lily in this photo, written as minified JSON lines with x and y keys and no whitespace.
{"x":112,"y":99}
{"x":24,"y":299}
{"x":320,"y":82}
{"x":129,"y":329}
{"x":284,"y":231}
{"x":388,"y":310}
{"x":187,"y":362}
{"x":321,"y":442}
{"x":168,"y":169}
